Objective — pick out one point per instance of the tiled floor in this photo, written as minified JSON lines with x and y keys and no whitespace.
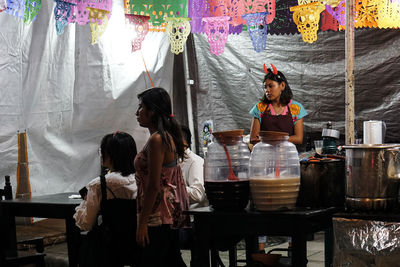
{"x":56,"y":249}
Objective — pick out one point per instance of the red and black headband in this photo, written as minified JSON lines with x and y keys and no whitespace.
{"x":274,"y":70}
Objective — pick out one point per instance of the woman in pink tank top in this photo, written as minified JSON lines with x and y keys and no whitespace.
{"x":162,"y":195}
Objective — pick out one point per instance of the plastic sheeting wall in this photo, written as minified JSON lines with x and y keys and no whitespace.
{"x":230,"y":84}
{"x":67,"y":94}
{"x":364,"y":243}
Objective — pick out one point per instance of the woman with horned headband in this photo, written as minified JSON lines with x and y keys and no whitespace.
{"x":277,"y":111}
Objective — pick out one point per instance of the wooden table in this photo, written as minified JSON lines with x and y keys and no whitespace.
{"x":211,"y":225}
{"x":58,"y":206}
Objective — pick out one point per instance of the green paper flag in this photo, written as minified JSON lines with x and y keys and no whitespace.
{"x":32,"y":8}
{"x":157,"y":10}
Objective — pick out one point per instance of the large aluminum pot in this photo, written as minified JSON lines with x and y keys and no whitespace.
{"x":372,"y":176}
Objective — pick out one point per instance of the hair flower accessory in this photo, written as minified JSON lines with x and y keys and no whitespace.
{"x":115,"y":133}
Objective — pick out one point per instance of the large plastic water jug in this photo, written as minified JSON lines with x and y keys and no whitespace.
{"x":274,"y":172}
{"x":226,"y":171}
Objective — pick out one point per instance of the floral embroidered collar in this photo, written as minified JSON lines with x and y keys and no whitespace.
{"x":264,"y":107}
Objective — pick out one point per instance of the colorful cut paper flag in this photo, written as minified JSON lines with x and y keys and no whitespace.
{"x":257,"y":28}
{"x":306,"y":18}
{"x":198,"y":9}
{"x":283,"y":22}
{"x":217,"y":30}
{"x":3,"y":5}
{"x":140,"y":25}
{"x":62,"y":11}
{"x":366,"y":14}
{"x":98,"y":21}
{"x":178,"y":30}
{"x":158,"y":10}
{"x":32,"y":8}
{"x":16,"y":8}
{"x":81,"y":14}
{"x":328,"y":22}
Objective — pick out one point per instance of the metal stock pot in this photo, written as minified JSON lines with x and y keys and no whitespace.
{"x":372,"y":176}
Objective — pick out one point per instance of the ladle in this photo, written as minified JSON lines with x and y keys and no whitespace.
{"x":277,"y":169}
{"x":231,"y":175}
{"x":229,"y":137}
{"x":275,"y":136}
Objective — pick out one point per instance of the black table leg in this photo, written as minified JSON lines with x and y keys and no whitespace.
{"x":251,"y":247}
{"x":214,"y":257}
{"x":328,"y":247}
{"x":299,"y":250}
{"x":73,"y":241}
{"x":233,"y":256}
{"x":201,"y":246}
{"x":9,"y":234}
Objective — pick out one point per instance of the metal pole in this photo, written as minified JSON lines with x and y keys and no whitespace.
{"x":349,"y":101}
{"x":189,"y":97}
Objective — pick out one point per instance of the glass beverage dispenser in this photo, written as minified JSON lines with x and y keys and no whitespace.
{"x":226,"y":171}
{"x":274,"y":172}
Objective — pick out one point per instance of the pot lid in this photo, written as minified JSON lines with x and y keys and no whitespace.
{"x":331,"y":133}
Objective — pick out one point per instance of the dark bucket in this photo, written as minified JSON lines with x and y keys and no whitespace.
{"x":322,"y":183}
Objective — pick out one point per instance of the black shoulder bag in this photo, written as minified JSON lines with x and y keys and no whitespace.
{"x":97,"y":247}
{"x":113,"y":242}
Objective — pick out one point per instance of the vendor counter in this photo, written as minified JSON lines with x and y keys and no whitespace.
{"x":212,"y":226}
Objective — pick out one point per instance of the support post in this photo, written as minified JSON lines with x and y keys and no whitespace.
{"x":188,"y":82}
{"x":349,"y":101}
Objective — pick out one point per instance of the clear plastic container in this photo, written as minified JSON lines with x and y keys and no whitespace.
{"x":274,"y":172}
{"x":226,"y":171}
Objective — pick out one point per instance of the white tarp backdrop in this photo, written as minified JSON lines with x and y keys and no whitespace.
{"x":67,"y":94}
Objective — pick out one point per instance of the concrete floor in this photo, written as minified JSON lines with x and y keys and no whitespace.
{"x":315,"y":252}
{"x":56,"y":249}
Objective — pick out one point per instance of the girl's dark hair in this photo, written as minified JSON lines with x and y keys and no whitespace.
{"x":158,"y":100}
{"x":120,"y":148}
{"x":286,"y":95}
{"x":187,"y":135}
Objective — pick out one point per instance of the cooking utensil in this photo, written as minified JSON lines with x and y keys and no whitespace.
{"x":231,"y":175}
